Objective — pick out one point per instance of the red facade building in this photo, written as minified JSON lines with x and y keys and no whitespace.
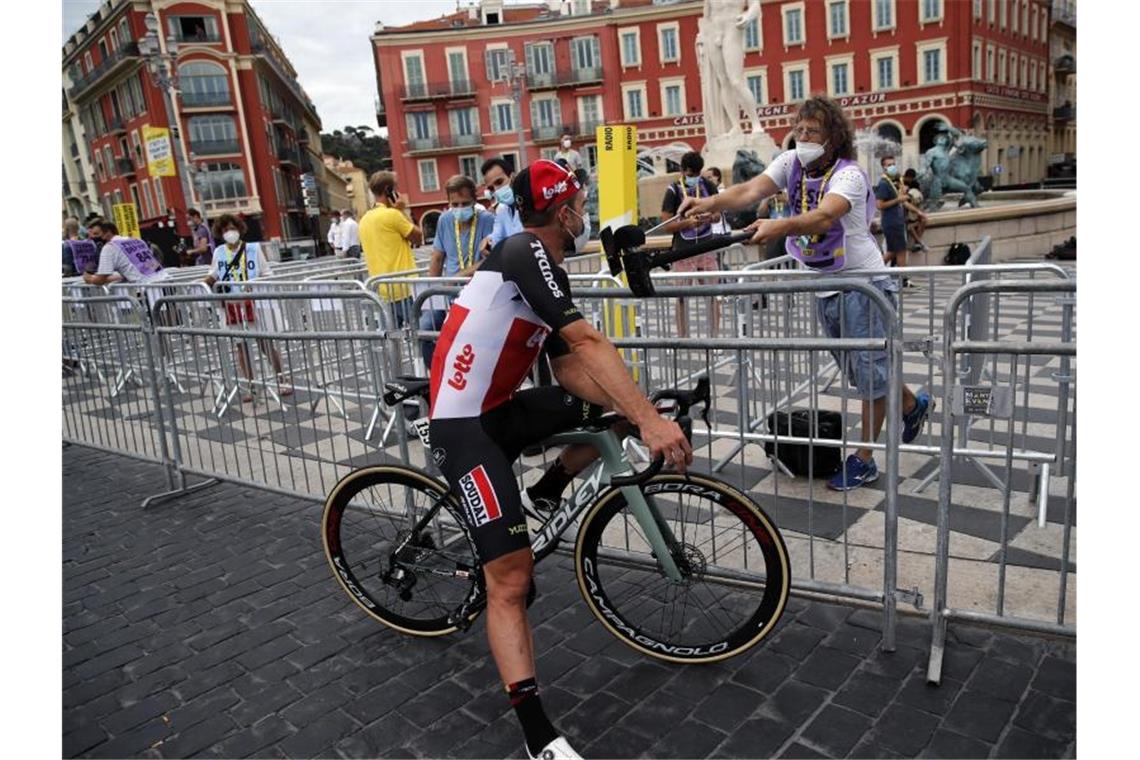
{"x":245,"y":126}
{"x":900,"y":66}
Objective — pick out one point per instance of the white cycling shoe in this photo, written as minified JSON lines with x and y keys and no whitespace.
{"x":559,"y":749}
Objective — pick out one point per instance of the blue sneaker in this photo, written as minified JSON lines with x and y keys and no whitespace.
{"x":855,"y":473}
{"x":913,"y":421}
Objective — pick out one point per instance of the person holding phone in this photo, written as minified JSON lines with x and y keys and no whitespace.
{"x":387,"y":235}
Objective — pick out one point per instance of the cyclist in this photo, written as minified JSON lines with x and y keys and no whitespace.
{"x":518,"y":300}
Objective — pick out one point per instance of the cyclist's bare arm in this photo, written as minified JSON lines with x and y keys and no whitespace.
{"x":571,"y":374}
{"x":602,"y":363}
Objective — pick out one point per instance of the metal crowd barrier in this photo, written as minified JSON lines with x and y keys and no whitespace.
{"x":993,"y":396}
{"x":338,"y":341}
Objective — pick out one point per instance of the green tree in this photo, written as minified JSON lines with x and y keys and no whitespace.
{"x":358,"y":144}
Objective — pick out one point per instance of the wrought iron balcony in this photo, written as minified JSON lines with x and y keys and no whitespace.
{"x":288,"y":154}
{"x":125,"y":52}
{"x":436,"y":143}
{"x":198,"y":36}
{"x":213,"y":147}
{"x":205,"y":99}
{"x":125,"y":167}
{"x":1065,"y":64}
{"x":1066,"y":112}
{"x":551,"y":133}
{"x":115,"y":125}
{"x":436,"y":90}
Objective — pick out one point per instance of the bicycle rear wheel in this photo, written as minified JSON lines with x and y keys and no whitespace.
{"x":415,"y":584}
{"x":733,"y":561}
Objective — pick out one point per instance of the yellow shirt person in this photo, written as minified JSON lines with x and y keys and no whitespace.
{"x":387,"y":235}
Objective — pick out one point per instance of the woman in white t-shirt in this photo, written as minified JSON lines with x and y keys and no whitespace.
{"x":236,"y":261}
{"x":829,"y":230}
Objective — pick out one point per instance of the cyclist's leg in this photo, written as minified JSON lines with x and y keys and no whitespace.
{"x":484,"y":481}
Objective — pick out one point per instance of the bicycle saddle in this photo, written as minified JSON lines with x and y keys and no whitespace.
{"x":405,"y":387}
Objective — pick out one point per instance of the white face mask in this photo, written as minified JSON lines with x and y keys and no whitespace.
{"x":566,"y":144}
{"x":583,"y":237}
{"x":231,"y":236}
{"x":809,"y":153}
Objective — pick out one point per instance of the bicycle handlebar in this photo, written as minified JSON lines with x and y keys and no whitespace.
{"x":637,"y":478}
{"x":622,"y":249}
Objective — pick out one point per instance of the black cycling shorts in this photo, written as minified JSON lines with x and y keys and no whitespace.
{"x":476,"y":455}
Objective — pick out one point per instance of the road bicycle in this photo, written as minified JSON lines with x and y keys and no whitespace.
{"x":682,"y":568}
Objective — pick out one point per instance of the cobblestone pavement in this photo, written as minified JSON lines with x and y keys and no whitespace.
{"x":210,"y":626}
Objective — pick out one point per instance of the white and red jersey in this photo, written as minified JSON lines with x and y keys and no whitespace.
{"x":497,"y":327}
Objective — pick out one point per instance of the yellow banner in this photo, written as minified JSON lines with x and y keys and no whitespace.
{"x":159,"y":153}
{"x":127,"y":219}
{"x":617,"y":207}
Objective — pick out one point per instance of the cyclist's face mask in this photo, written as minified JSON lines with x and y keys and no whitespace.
{"x":576,"y":240}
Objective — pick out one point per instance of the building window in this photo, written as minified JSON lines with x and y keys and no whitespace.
{"x":124,"y":30}
{"x":931,"y":11}
{"x":193,"y":28}
{"x":457,"y":69}
{"x":1003,"y":20}
{"x":1025,"y":17}
{"x":109,"y":160}
{"x":221,"y":181}
{"x":930,"y":59}
{"x":757,"y":85}
{"x":502,"y":116}
{"x":796,"y":82}
{"x":213,"y":134}
{"x":99,"y":172}
{"x":114,"y":39}
{"x":1044,"y":36}
{"x":884,"y":16}
{"x":540,"y":63}
{"x":840,"y":80}
{"x":631,"y":47}
{"x":421,"y":125}
{"x":884,"y":68}
{"x":148,"y":201}
{"x":752,"y":35}
{"x":414,"y":73}
{"x":667,"y":38}
{"x":159,"y":197}
{"x":136,"y":146}
{"x":976,"y":61}
{"x":671,"y":96}
{"x":469,"y":167}
{"x":203,"y":84}
{"x":633,"y":98}
{"x":546,"y":114}
{"x":1025,"y":74}
{"x":590,"y":156}
{"x":1013,"y":70}
{"x":464,"y":122}
{"x":429,"y":178}
{"x":496,"y":60}
{"x":87,"y":61}
{"x":793,"y":24}
{"x":1003,"y":71}
{"x":589,"y":113}
{"x":837,"y":19}
{"x":1033,"y":26}
{"x":584,"y":53}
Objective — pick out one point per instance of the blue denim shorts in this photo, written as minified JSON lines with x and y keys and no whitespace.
{"x":866,"y":370}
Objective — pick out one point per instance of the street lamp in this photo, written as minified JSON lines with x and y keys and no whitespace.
{"x":163,"y":74}
{"x":515,"y":77}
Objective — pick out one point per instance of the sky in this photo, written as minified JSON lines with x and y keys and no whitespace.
{"x":327,"y":42}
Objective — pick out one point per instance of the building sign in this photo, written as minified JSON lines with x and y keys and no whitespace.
{"x":127,"y":219}
{"x":159,"y":154}
{"x":1014,"y":93}
{"x":784,"y":109}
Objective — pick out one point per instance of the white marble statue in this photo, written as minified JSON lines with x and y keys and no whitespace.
{"x":720,"y":50}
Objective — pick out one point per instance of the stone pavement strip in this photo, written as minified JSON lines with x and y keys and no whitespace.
{"x":209,"y":626}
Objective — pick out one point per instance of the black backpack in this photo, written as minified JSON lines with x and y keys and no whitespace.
{"x":958,"y":255}
{"x":825,"y":461}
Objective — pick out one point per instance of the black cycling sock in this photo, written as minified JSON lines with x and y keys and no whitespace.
{"x":553,"y":482}
{"x":536,"y":727}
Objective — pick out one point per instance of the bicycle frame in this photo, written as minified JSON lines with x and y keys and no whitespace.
{"x":611,"y":461}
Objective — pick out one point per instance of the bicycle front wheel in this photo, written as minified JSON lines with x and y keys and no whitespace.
{"x":733,"y":562}
{"x":417,"y":583}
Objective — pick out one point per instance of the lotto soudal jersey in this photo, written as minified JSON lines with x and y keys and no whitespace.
{"x":497,"y":326}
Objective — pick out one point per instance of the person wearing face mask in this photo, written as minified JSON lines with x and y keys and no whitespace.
{"x":691,"y":230}
{"x":567,"y":153}
{"x":456,"y":250}
{"x":517,"y":301}
{"x":829,"y":230}
{"x":893,"y":203}
{"x":497,"y":176}
{"x":122,"y":258}
{"x":236,"y":261}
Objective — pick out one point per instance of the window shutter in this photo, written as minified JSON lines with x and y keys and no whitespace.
{"x":494,"y":118}
{"x":488,"y":59}
{"x":528,"y":50}
{"x":534,"y":120}
{"x":596,"y":60}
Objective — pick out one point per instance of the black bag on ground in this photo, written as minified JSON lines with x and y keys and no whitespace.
{"x":958,"y":255}
{"x":825,"y":460}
